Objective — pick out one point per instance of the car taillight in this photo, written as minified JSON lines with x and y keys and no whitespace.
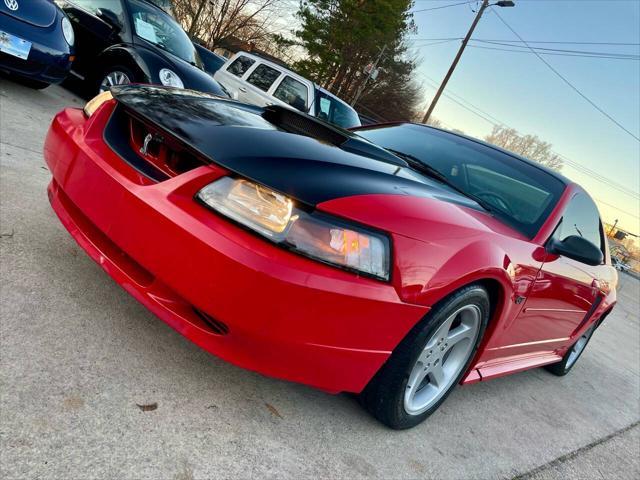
{"x":96,"y":102}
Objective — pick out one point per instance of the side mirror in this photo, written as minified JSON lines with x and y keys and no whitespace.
{"x":109,"y":17}
{"x":577,"y":248}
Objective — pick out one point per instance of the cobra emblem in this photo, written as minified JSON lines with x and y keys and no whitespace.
{"x":12,"y":4}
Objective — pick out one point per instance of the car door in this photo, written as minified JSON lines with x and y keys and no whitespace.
{"x":292,"y":92}
{"x":93,"y":34}
{"x":566,"y":292}
{"x":231,"y":74}
{"x":258,"y":83}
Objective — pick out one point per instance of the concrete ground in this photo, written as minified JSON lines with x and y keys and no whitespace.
{"x":78,"y":354}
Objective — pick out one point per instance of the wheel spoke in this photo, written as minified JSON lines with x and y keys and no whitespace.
{"x":458,"y":334}
{"x":415,"y":380}
{"x":442,"y":359}
{"x":437,"y":376}
{"x":442,"y":332}
{"x":425,"y":356}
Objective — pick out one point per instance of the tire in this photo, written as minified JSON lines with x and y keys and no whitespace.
{"x":572,"y":355}
{"x":119,"y":71}
{"x":396,"y":396}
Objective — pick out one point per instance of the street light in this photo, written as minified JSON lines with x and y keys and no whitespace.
{"x":483,"y":7}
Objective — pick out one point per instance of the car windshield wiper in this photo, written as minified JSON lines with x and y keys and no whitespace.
{"x":422,"y":167}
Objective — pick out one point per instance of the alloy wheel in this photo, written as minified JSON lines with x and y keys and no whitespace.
{"x":444,"y":356}
{"x":114,"y":78}
{"x":578,"y":347}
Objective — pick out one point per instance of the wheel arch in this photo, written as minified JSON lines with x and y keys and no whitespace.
{"x":498,"y":295}
{"x":498,"y":292}
{"x":127,"y":57}
{"x":604,"y":315}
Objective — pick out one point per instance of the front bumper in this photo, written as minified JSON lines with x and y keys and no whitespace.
{"x":287,"y":316}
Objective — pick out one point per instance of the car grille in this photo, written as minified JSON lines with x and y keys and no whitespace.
{"x":152,"y":152}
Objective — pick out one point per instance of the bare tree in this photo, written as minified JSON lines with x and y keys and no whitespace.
{"x":529,"y":146}
{"x":214,"y":21}
{"x":433,"y":122}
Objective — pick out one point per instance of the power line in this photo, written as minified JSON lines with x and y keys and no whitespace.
{"x":595,"y":175}
{"x":436,"y":43}
{"x":611,"y":57}
{"x":547,"y":51}
{"x":466,"y":108}
{"x":634,"y":215}
{"x":557,"y":42}
{"x":574,"y":88}
{"x":484,"y":115}
{"x":440,"y":7}
{"x":562,"y":50}
{"x":497,"y":123}
{"x":416,"y":39}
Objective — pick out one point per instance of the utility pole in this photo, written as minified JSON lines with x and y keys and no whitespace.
{"x":366,"y":80}
{"x":483,"y":7}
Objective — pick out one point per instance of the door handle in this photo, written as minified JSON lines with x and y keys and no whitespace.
{"x":242,"y":89}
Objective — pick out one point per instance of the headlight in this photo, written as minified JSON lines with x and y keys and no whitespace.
{"x":95,"y":103}
{"x":315,"y":235}
{"x":170,"y":79}
{"x":67,"y":31}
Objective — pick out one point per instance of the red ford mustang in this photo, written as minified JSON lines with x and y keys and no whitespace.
{"x":394,"y":262}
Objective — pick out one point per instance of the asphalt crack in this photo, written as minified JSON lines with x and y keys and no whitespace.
{"x":575,"y":453}
{"x":27,"y":149}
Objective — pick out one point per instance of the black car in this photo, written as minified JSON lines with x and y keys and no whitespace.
{"x":133,"y":41}
{"x":211,"y":61}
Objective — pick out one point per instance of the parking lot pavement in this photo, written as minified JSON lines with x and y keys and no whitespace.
{"x":78,"y":354}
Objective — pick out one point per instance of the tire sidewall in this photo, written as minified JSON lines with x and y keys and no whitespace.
{"x":395,"y":373}
{"x":560,"y":369}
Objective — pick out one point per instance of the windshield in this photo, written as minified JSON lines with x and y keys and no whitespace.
{"x":210,"y":61}
{"x":155,"y":26}
{"x":332,"y":110}
{"x":520,"y":194}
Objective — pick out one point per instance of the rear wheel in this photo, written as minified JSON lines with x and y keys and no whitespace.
{"x":115,"y":75}
{"x":430,"y":361}
{"x":573,"y":354}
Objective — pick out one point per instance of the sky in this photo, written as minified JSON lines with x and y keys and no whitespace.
{"x":518,"y":90}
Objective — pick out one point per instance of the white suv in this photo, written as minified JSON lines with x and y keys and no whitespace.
{"x":252,"y":79}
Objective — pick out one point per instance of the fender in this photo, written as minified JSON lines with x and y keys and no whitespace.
{"x":460,"y":246}
{"x":140,"y":60}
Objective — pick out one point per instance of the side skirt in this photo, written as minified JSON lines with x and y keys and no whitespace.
{"x":507,"y":365}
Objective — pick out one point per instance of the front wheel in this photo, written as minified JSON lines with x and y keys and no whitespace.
{"x":573,"y":354}
{"x":430,"y":361}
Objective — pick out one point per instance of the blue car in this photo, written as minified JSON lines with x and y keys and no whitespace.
{"x":36,"y":41}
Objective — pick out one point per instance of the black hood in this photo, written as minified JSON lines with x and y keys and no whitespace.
{"x":291,"y":152}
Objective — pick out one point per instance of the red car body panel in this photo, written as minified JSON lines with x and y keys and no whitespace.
{"x":291,"y":317}
{"x":173,"y":254}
